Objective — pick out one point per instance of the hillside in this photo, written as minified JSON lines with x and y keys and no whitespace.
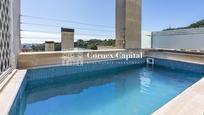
{"x":198,"y":24}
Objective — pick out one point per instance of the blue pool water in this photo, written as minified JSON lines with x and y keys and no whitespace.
{"x":132,"y":90}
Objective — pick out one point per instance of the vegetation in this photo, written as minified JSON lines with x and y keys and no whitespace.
{"x":57,"y":46}
{"x":90,"y":44}
{"x":198,"y":24}
{"x":38,"y":47}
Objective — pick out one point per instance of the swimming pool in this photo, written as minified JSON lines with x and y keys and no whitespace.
{"x":103,"y":89}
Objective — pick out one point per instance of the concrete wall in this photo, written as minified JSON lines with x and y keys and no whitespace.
{"x":67,"y":57}
{"x":128,"y":24}
{"x":120,"y":24}
{"x":16,"y":47}
{"x":190,"y":39}
{"x":133,"y":24}
{"x":67,"y":42}
{"x":191,"y":57}
{"x":49,"y":46}
{"x":58,"y":58}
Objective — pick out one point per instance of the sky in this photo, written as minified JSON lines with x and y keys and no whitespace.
{"x":95,"y":19}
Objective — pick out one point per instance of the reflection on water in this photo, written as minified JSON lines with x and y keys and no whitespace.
{"x":122,"y":91}
{"x":74,"y":84}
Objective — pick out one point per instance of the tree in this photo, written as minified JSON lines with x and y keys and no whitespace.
{"x":57,"y":46}
{"x":38,"y":47}
{"x":92,"y":44}
{"x":92,"y":47}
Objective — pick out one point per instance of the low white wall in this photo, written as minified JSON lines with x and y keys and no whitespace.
{"x":38,"y":59}
{"x":190,"y":39}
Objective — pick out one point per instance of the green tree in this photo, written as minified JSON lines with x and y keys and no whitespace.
{"x":57,"y":46}
{"x":92,"y":47}
{"x":38,"y":47}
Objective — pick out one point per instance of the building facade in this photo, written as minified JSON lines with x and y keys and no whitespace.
{"x":5,"y":35}
{"x":128,"y":24}
{"x":9,"y":34}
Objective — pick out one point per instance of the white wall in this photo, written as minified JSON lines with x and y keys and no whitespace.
{"x":15,"y":30}
{"x":190,"y":39}
{"x":146,"y":39}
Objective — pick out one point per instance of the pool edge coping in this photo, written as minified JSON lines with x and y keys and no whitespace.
{"x":10,"y":91}
{"x":23,"y":74}
{"x":171,"y":107}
